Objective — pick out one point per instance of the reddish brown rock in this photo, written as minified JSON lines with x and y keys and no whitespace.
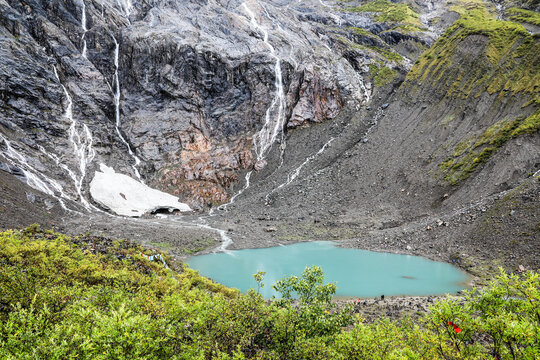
{"x":203,"y":171}
{"x":259,"y":165}
{"x":318,"y":101}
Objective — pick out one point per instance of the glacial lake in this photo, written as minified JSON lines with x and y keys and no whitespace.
{"x":357,"y":273}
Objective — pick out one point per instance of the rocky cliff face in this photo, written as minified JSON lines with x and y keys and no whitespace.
{"x":346,"y":117}
{"x":195,"y":80}
{"x":418,"y":170}
{"x":460,"y":126}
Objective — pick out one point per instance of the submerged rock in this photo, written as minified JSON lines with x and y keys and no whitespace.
{"x":126,"y":196}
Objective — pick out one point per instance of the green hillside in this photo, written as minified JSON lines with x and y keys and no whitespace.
{"x":86,"y":298}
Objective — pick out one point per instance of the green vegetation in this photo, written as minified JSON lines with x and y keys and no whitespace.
{"x":361,"y":31}
{"x":408,"y":28}
{"x":480,"y":54}
{"x":385,"y":54}
{"x":508,"y":63}
{"x":198,"y":249}
{"x":59,"y":300}
{"x":527,"y":16}
{"x":399,"y":17}
{"x":389,"y":12}
{"x":382,"y":75}
{"x":469,"y":154}
{"x":194,"y":246}
{"x":529,"y":126}
{"x":460,"y":147}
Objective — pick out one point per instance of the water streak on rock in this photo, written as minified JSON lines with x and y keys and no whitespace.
{"x":126,"y":6}
{"x":83,"y":25}
{"x":275,"y":114}
{"x":274,"y":120}
{"x":226,"y":241}
{"x":34,"y":178}
{"x":82,"y":145}
{"x":117,"y":110}
{"x":293,"y":175}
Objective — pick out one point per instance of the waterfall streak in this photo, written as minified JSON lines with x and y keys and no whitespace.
{"x":291,"y":56}
{"x":81,"y":143}
{"x":266,"y":137}
{"x":225,"y":239}
{"x":292,"y":176}
{"x":126,"y":6}
{"x":366,"y":92}
{"x":500,"y":12}
{"x":275,"y":114}
{"x":59,"y":163}
{"x":117,"y":110}
{"x":324,"y":4}
{"x":282,"y":110}
{"x":246,"y":185}
{"x":378,"y":114}
{"x":336,"y":18}
{"x":83,"y":25}
{"x":201,"y":223}
{"x":34,"y":178}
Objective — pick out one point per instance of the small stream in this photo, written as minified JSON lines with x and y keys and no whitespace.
{"x":358,"y":273}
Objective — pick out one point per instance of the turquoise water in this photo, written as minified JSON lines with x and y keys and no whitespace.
{"x":358,"y":273}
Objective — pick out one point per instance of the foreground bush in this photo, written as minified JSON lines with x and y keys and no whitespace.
{"x":62,"y":299}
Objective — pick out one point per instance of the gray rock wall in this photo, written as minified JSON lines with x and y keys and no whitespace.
{"x":191,"y":73}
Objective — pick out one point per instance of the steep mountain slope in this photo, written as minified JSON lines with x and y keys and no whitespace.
{"x":180,"y":86}
{"x":459,"y":130}
{"x":367,"y":121}
{"x":415,"y":148}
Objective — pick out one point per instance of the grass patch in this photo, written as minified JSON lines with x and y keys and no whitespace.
{"x":389,"y":12}
{"x":509,"y":62}
{"x":470,"y":154}
{"x":529,"y":126}
{"x":381,"y":75}
{"x":361,"y":31}
{"x":199,"y":245}
{"x":193,"y":247}
{"x":409,"y":28}
{"x":389,"y":55}
{"x":462,"y":146}
{"x":522,"y":15}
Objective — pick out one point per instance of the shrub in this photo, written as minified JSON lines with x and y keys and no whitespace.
{"x":59,"y":301}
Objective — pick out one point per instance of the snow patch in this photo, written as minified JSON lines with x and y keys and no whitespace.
{"x":126,"y":196}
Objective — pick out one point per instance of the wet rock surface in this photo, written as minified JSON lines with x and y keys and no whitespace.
{"x":189,"y":73}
